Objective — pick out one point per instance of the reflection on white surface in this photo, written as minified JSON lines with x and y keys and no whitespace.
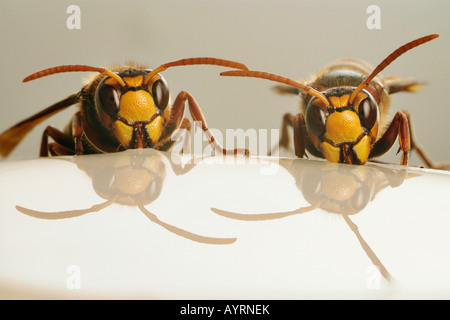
{"x":137,"y":225}
{"x":133,"y":179}
{"x":344,"y":190}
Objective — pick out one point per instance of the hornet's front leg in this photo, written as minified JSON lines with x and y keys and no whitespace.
{"x":398,"y":127}
{"x":283,"y":143}
{"x":302,"y":141}
{"x":176,"y":116}
{"x":421,"y":151}
{"x":63,"y":144}
{"x":401,"y":126}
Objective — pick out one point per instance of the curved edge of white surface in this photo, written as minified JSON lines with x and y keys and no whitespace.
{"x":144,"y":224}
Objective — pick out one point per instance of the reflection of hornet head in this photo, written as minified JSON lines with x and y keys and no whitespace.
{"x":339,"y":191}
{"x":342,"y":189}
{"x":335,"y":188}
{"x":132,"y":178}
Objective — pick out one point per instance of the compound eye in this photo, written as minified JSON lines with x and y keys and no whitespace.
{"x":368,"y":113}
{"x":103,"y":181}
{"x":107,"y":98}
{"x":153,"y":189}
{"x":160,"y":93}
{"x":311,"y":186}
{"x":315,"y":119}
{"x":361,"y":198}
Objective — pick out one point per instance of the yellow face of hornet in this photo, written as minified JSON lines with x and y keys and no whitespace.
{"x":135,"y":112}
{"x":341,"y":131}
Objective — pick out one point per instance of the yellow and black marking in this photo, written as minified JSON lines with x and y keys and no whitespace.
{"x":123,"y":107}
{"x":342,"y":108}
{"x":133,"y":112}
{"x":343,"y":132}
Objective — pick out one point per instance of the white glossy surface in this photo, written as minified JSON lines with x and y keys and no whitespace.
{"x":121,"y":253}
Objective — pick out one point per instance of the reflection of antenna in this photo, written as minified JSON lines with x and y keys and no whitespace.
{"x":64,"y":214}
{"x":76,"y":213}
{"x":335,"y":188}
{"x":372,"y":256}
{"x":184,"y":233}
{"x":133,"y":178}
{"x":95,"y":208}
{"x":263,"y":216}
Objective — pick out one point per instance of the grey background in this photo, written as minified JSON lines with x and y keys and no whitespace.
{"x":291,"y":38}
